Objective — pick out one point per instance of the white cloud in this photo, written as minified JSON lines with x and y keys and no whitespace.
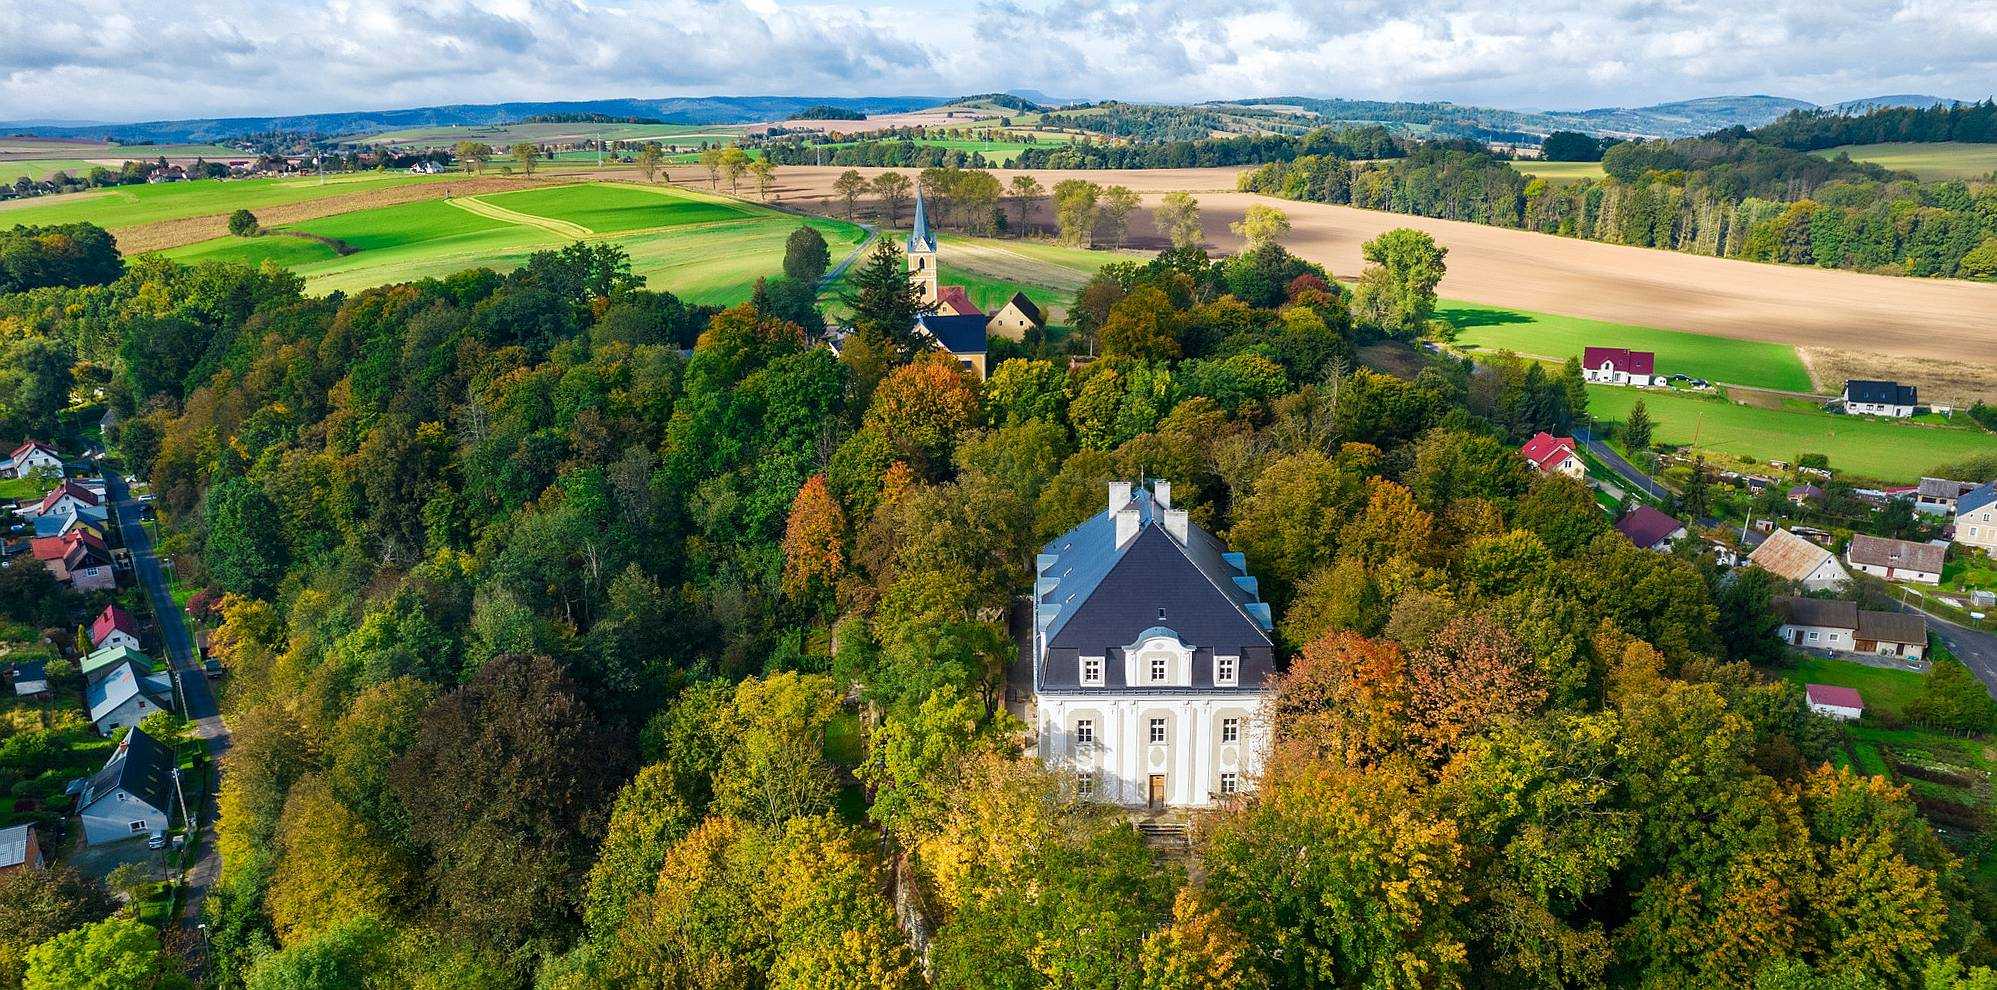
{"x":130,"y":59}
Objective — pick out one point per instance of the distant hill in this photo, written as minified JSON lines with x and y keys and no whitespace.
{"x":1910,"y":100}
{"x":1684,"y":118}
{"x":674,"y":110}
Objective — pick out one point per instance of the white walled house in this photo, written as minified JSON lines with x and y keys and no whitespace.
{"x":1976,"y":517}
{"x":1864,"y":397}
{"x":1841,"y":703}
{"x":29,"y":458}
{"x":1554,"y":455}
{"x":1821,"y":624}
{"x":1788,"y":556}
{"x":132,"y":795}
{"x":1620,"y":366}
{"x":1896,"y":560}
{"x":1150,"y":655}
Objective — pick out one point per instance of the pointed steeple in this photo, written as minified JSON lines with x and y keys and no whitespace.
{"x":919,"y":237}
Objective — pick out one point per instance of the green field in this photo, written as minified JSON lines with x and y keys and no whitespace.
{"x":704,"y":248}
{"x":1757,"y":364}
{"x":443,"y":136}
{"x":999,"y":152}
{"x":1858,"y":446}
{"x":38,"y":169}
{"x":1885,"y":691}
{"x":1939,"y":160}
{"x":131,"y":206}
{"x":1560,"y":171}
{"x":992,"y":270}
{"x":609,"y":208}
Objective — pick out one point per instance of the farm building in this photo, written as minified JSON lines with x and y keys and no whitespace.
{"x":1619,"y":366}
{"x":132,"y":795}
{"x":1937,"y":496}
{"x":1841,"y":703}
{"x":1976,"y":517}
{"x":1554,"y":455}
{"x":1792,"y":558}
{"x":1650,"y":529}
{"x":1896,"y":560}
{"x":1015,"y":318}
{"x":1843,"y":627}
{"x":1150,"y":652}
{"x":1864,"y":397}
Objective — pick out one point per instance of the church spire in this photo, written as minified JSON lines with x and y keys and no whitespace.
{"x":919,"y":237}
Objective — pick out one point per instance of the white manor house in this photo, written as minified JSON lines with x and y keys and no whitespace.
{"x":1151,"y":650}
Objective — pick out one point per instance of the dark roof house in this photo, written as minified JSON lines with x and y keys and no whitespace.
{"x":1879,"y":393}
{"x":1648,"y":528}
{"x":1621,"y":359}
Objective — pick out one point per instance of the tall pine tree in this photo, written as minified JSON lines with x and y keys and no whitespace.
{"x":885,"y":303}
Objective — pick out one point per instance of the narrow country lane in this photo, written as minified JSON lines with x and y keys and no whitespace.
{"x":194,"y":693}
{"x":1976,"y":649}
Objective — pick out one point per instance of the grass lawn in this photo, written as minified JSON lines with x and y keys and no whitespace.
{"x":1754,"y":363}
{"x":131,"y":206}
{"x":615,"y":208}
{"x":1858,"y":446}
{"x":12,"y":489}
{"x":995,"y":151}
{"x":1936,"y":160}
{"x":1888,"y":691}
{"x":718,"y":263}
{"x":1560,"y":171}
{"x":991,"y":270}
{"x":41,"y":168}
{"x":1968,"y":569}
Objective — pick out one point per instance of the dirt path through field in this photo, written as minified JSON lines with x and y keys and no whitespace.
{"x":559,"y":228}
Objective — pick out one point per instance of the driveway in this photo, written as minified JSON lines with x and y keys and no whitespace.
{"x":194,"y":694}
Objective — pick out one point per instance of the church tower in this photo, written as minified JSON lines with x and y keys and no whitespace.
{"x":922,"y":251}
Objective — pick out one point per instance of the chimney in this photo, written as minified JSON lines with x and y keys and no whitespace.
{"x":1175,"y":524}
{"x":1119,"y":495}
{"x":1162,"y":491}
{"x":1126,"y":526}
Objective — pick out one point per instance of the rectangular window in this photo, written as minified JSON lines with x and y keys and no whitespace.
{"x":1085,"y":730}
{"x":1229,"y":783}
{"x":1157,"y":730}
{"x":1085,"y":786}
{"x":1157,"y":669}
{"x":1813,"y":636}
{"x":1224,"y":671}
{"x":138,"y":826}
{"x":1230,"y":730}
{"x":1092,"y":671}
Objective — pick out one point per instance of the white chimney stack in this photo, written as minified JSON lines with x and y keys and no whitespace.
{"x":1126,"y":526}
{"x":1162,"y":491}
{"x":1119,"y":495}
{"x":1175,"y":524}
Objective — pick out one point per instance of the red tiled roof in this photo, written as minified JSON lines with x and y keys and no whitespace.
{"x":1621,"y":359}
{"x":23,"y":449}
{"x":958,"y":300}
{"x":1831,"y":694}
{"x":1546,"y":451}
{"x":112,"y":618}
{"x":82,"y":494}
{"x":49,"y":547}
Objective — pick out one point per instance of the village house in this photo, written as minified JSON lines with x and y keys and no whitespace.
{"x":1864,"y":397}
{"x":1841,"y":703}
{"x":132,"y":795}
{"x":1976,"y":517}
{"x":68,"y":498}
{"x":1937,"y":496}
{"x":29,"y":458}
{"x":1151,"y":649}
{"x":1619,"y":366}
{"x":1554,"y":455}
{"x":114,"y":627}
{"x":1792,"y":558}
{"x":1016,"y":318}
{"x":1805,"y":495}
{"x":19,"y":849}
{"x":77,"y":559}
{"x":957,"y":324}
{"x":1821,"y":624}
{"x":1896,"y":560}
{"x":962,"y":336}
{"x":126,"y":694}
{"x":1650,"y":529}
{"x":100,"y":661}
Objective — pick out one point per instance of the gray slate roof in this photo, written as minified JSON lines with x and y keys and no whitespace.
{"x":141,"y":767}
{"x":1816,"y":612}
{"x":1095,"y":598}
{"x":920,"y":237}
{"x":1977,"y":498}
{"x":1883,"y":393}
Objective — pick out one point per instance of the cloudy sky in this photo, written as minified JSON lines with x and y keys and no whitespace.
{"x":147,"y":59}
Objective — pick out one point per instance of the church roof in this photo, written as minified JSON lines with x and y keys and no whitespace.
{"x":957,"y":334}
{"x":920,"y":238}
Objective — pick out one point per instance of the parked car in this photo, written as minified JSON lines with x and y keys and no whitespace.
{"x":157,"y":840}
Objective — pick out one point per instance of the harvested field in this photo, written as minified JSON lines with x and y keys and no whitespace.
{"x":1950,"y":383}
{"x":1949,"y":325}
{"x":933,"y":117}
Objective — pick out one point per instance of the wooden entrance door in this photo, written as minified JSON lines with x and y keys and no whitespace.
{"x":1156,"y":798}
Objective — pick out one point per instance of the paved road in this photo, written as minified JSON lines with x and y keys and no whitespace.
{"x":1615,"y":461}
{"x":1976,"y":649}
{"x":195,"y":695}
